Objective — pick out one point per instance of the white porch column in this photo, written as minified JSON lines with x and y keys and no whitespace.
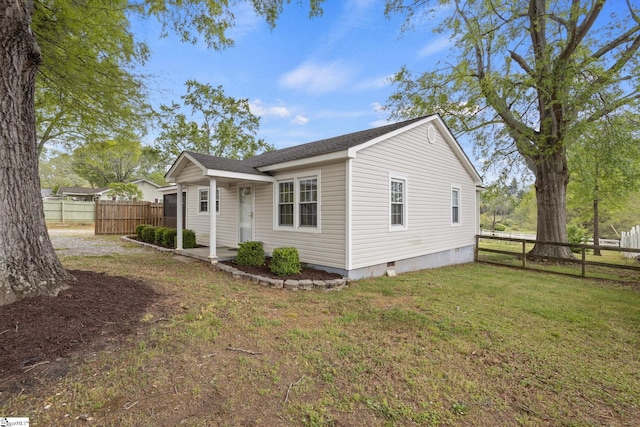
{"x":212,"y":220}
{"x":179,"y":219}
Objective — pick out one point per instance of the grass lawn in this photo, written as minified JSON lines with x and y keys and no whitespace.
{"x":468,"y":345}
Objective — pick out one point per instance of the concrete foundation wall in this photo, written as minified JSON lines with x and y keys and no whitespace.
{"x":439,"y":259}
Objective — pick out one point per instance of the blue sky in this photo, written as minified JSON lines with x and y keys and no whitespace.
{"x":308,"y":79}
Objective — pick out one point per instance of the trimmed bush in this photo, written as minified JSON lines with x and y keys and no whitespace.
{"x":250,"y":253}
{"x":139,"y":229}
{"x":169,"y":237}
{"x":285,"y":261}
{"x":188,"y":239}
{"x":159,"y":236}
{"x":499,"y":227}
{"x":149,"y":234}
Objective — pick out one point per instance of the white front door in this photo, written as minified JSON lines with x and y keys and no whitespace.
{"x":246,"y":214}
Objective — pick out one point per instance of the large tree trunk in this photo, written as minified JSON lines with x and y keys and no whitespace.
{"x":28,"y":263}
{"x":552,"y":177}
{"x":596,"y":226}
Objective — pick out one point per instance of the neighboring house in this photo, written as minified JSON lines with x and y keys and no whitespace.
{"x":150,"y":190}
{"x":402,"y":196}
{"x":83,"y":194}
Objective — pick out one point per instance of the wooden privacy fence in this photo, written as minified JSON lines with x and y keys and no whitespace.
{"x":580,"y":259}
{"x":68,"y":211}
{"x":123,"y":217}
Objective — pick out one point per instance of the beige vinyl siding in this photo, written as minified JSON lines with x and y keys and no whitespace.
{"x":226,"y":224}
{"x":430,"y":171}
{"x":326,"y":248}
{"x":191,"y":173}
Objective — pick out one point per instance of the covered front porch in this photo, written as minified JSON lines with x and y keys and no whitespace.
{"x":202,"y":253}
{"x":203,"y":181}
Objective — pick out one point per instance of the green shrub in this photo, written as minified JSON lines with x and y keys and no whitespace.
{"x":285,"y":261}
{"x":499,"y":227}
{"x":577,"y":236}
{"x":149,"y":234}
{"x":188,"y":239}
{"x":139,"y":229}
{"x":250,"y":253}
{"x":169,"y":237}
{"x":159,"y":233}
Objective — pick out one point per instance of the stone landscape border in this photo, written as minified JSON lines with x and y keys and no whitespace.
{"x":288,"y":284}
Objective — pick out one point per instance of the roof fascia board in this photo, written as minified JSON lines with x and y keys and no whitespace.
{"x":354,"y":150}
{"x":307,"y":161}
{"x":457,"y":149}
{"x":215,"y":173}
{"x":444,"y":129}
{"x":178,"y":165}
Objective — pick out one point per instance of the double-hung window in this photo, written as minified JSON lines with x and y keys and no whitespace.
{"x":308,"y":189}
{"x":397,"y":203}
{"x":285,"y":203}
{"x":203,"y":200}
{"x":297,"y":203}
{"x":455,"y":205}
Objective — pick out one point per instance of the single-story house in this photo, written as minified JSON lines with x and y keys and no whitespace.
{"x":402,"y":196}
{"x":83,"y":194}
{"x":150,"y":190}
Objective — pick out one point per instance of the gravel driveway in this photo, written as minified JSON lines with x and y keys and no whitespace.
{"x":84,"y":243}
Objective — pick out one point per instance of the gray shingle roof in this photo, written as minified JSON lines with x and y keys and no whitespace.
{"x":221,"y":163}
{"x":78,"y":191}
{"x":325,"y":146}
{"x":311,"y":149}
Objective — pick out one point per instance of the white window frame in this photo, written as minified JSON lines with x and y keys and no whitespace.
{"x":405,"y":202}
{"x":218,"y":200}
{"x":455,"y":188}
{"x":201,"y":200}
{"x":292,"y":203}
{"x":296,"y":178}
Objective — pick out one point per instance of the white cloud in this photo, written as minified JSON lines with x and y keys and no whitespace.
{"x":258,"y":108}
{"x":299,"y":119}
{"x":435,"y":46}
{"x":377,"y":107}
{"x":246,"y":21}
{"x":316,"y":78}
{"x":374,"y":83}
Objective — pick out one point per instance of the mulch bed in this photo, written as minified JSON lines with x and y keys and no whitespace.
{"x":43,"y":332}
{"x":305,"y":273}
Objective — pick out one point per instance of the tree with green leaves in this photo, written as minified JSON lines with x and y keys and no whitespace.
{"x":220,"y":125}
{"x":104,"y":162}
{"x":497,"y":203}
{"x":28,"y":263}
{"x":605,"y":167}
{"x":56,"y":170}
{"x":529,"y":77}
{"x":125,"y":190}
{"x":84,"y":87}
{"x":118,"y":160}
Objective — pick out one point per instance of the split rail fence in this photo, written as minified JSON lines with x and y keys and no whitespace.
{"x":117,"y":217}
{"x":581,"y":259}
